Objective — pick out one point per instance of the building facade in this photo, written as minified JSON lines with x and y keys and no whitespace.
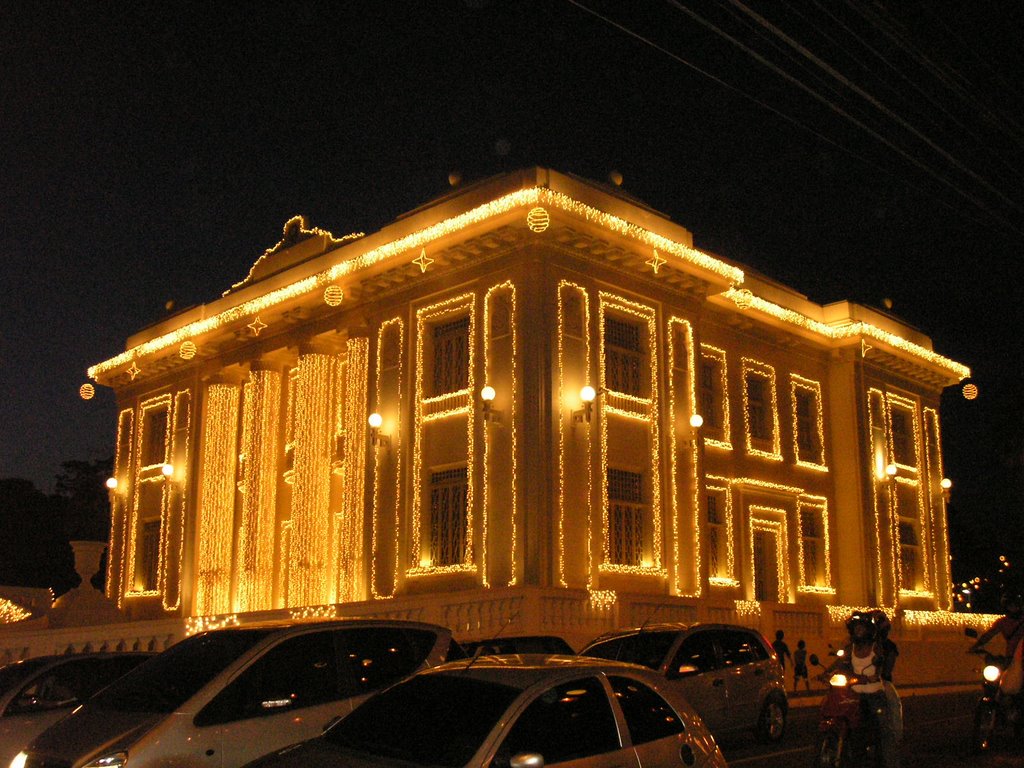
{"x":533,"y":394}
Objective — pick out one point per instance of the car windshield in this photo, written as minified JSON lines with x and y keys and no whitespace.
{"x":646,"y":648}
{"x":171,"y":678}
{"x":13,"y":674}
{"x":439,"y":720}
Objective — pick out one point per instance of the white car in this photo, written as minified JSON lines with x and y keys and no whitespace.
{"x":516,"y":712}
{"x":37,"y":692}
{"x":224,"y":697}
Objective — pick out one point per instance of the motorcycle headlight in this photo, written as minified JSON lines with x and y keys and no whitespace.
{"x":990,"y":673}
{"x":838,"y":680}
{"x":113,"y":760}
{"x":19,"y":760}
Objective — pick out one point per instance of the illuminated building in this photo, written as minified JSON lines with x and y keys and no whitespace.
{"x":484,"y":489}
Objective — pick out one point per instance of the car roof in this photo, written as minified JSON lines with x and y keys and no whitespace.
{"x":524,"y":670}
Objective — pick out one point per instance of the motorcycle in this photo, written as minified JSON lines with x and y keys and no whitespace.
{"x":995,"y":710}
{"x":845,"y":736}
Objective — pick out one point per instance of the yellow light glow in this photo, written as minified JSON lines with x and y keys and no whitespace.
{"x":696,"y":421}
{"x":946,"y":483}
{"x":487,"y":394}
{"x":11,"y":612}
{"x":333,"y":295}
{"x":538,"y":220}
{"x":375,"y":420}
{"x":970,"y":391}
{"x":588,"y":394}
{"x":87,"y":391}
{"x":167,"y":470}
{"x":891,"y":470}
{"x":351,"y":404}
{"x":187,"y":350}
{"x":111,"y":483}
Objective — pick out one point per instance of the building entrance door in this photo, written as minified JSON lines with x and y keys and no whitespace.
{"x":766,"y":558}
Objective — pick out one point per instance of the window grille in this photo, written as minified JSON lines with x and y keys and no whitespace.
{"x":908,"y":555}
{"x":625,"y":517}
{"x":757,"y":411}
{"x":902,"y":446}
{"x":713,"y":515}
{"x":713,"y":564}
{"x":451,"y":356}
{"x":448,"y":491}
{"x":708,"y":399}
{"x":623,"y":363}
{"x":811,"y":539}
{"x":150,"y":555}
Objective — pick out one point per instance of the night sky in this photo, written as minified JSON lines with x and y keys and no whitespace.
{"x":150,"y":152}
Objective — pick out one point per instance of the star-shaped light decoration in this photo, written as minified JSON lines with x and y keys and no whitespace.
{"x":256,"y":326}
{"x":655,"y":261}
{"x":134,"y":370}
{"x":423,"y":260}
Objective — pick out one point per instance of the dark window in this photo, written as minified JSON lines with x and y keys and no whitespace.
{"x":623,"y":363}
{"x":625,"y":517}
{"x":708,"y":393}
{"x":648,"y":716}
{"x":697,"y":654}
{"x":149,"y":554}
{"x":154,"y":450}
{"x":646,"y":648}
{"x":373,"y":657}
{"x":299,"y":672}
{"x":451,"y":356}
{"x":902,"y":444}
{"x":740,"y":647}
{"x":166,"y":681}
{"x":713,"y":514}
{"x":448,"y":497}
{"x":757,"y":407}
{"x":567,"y":722}
{"x":813,"y":545}
{"x":433,"y":719}
{"x":806,"y":419}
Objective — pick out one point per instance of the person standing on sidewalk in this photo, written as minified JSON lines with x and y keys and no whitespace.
{"x":781,"y":649}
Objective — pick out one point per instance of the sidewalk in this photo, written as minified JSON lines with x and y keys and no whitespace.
{"x":813,"y":697}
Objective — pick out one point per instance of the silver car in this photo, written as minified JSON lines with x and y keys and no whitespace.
{"x":224,"y":697}
{"x":729,"y":673}
{"x":516,"y":712}
{"x":37,"y":692}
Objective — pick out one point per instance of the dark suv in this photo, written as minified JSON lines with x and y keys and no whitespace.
{"x":728,"y":673}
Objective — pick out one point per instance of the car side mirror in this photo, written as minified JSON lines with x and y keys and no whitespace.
{"x":683,"y":670}
{"x":526,"y":760}
{"x":970,"y":631}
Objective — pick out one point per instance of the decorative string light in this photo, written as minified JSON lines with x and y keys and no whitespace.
{"x":721,"y":485}
{"x":717,"y":357}
{"x":172,"y":547}
{"x":508,"y":288}
{"x":949,"y":620}
{"x":313,"y":612}
{"x":147,"y":475}
{"x":797,"y":384}
{"x":423,"y":261}
{"x":394,"y":328}
{"x":495,"y":208}
{"x":261,"y":409}
{"x":308,"y":570}
{"x":970,"y":391}
{"x":87,"y":391}
{"x":333,"y":295}
{"x":354,"y":426}
{"x":565,"y":426}
{"x":641,"y":408}
{"x":187,"y":350}
{"x":680,"y":330}
{"x":538,"y":220}
{"x":776,"y":527}
{"x":747,"y":610}
{"x":463,"y":304}
{"x":134,"y":370}
{"x":256,"y":326}
{"x":655,"y":262}
{"x":196,"y":624}
{"x":816,"y":505}
{"x":766,"y":373}
{"x":602,"y":599}
{"x":119,"y":519}
{"x":216,"y":510}
{"x":939,"y":524}
{"x":11,"y":613}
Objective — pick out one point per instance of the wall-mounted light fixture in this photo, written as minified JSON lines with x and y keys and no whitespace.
{"x":945,"y":484}
{"x":167,"y":469}
{"x":696,"y":422}
{"x":376,"y":438}
{"x":487,"y":395}
{"x":587,"y":396}
{"x":111,"y":483}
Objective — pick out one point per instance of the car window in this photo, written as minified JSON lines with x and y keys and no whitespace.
{"x":16,"y":673}
{"x":299,"y":672}
{"x":431,"y":719}
{"x":646,"y":648}
{"x":696,"y":654}
{"x":374,"y":657}
{"x":739,"y":647}
{"x":648,"y":716}
{"x":566,"y":722}
{"x":62,"y":686}
{"x":171,"y":678}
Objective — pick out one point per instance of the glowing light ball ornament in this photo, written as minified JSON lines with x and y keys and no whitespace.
{"x":333,"y":295}
{"x":86,"y":391}
{"x":187,"y":350}
{"x":538,"y":220}
{"x":970,"y":391}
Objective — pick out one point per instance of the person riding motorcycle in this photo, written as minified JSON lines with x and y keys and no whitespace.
{"x":866,"y":658}
{"x":1010,"y":626}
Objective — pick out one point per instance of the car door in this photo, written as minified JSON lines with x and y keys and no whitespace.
{"x":286,"y":695}
{"x":571,"y":725}
{"x":744,"y":676}
{"x":695,"y":670}
{"x":661,"y":737}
